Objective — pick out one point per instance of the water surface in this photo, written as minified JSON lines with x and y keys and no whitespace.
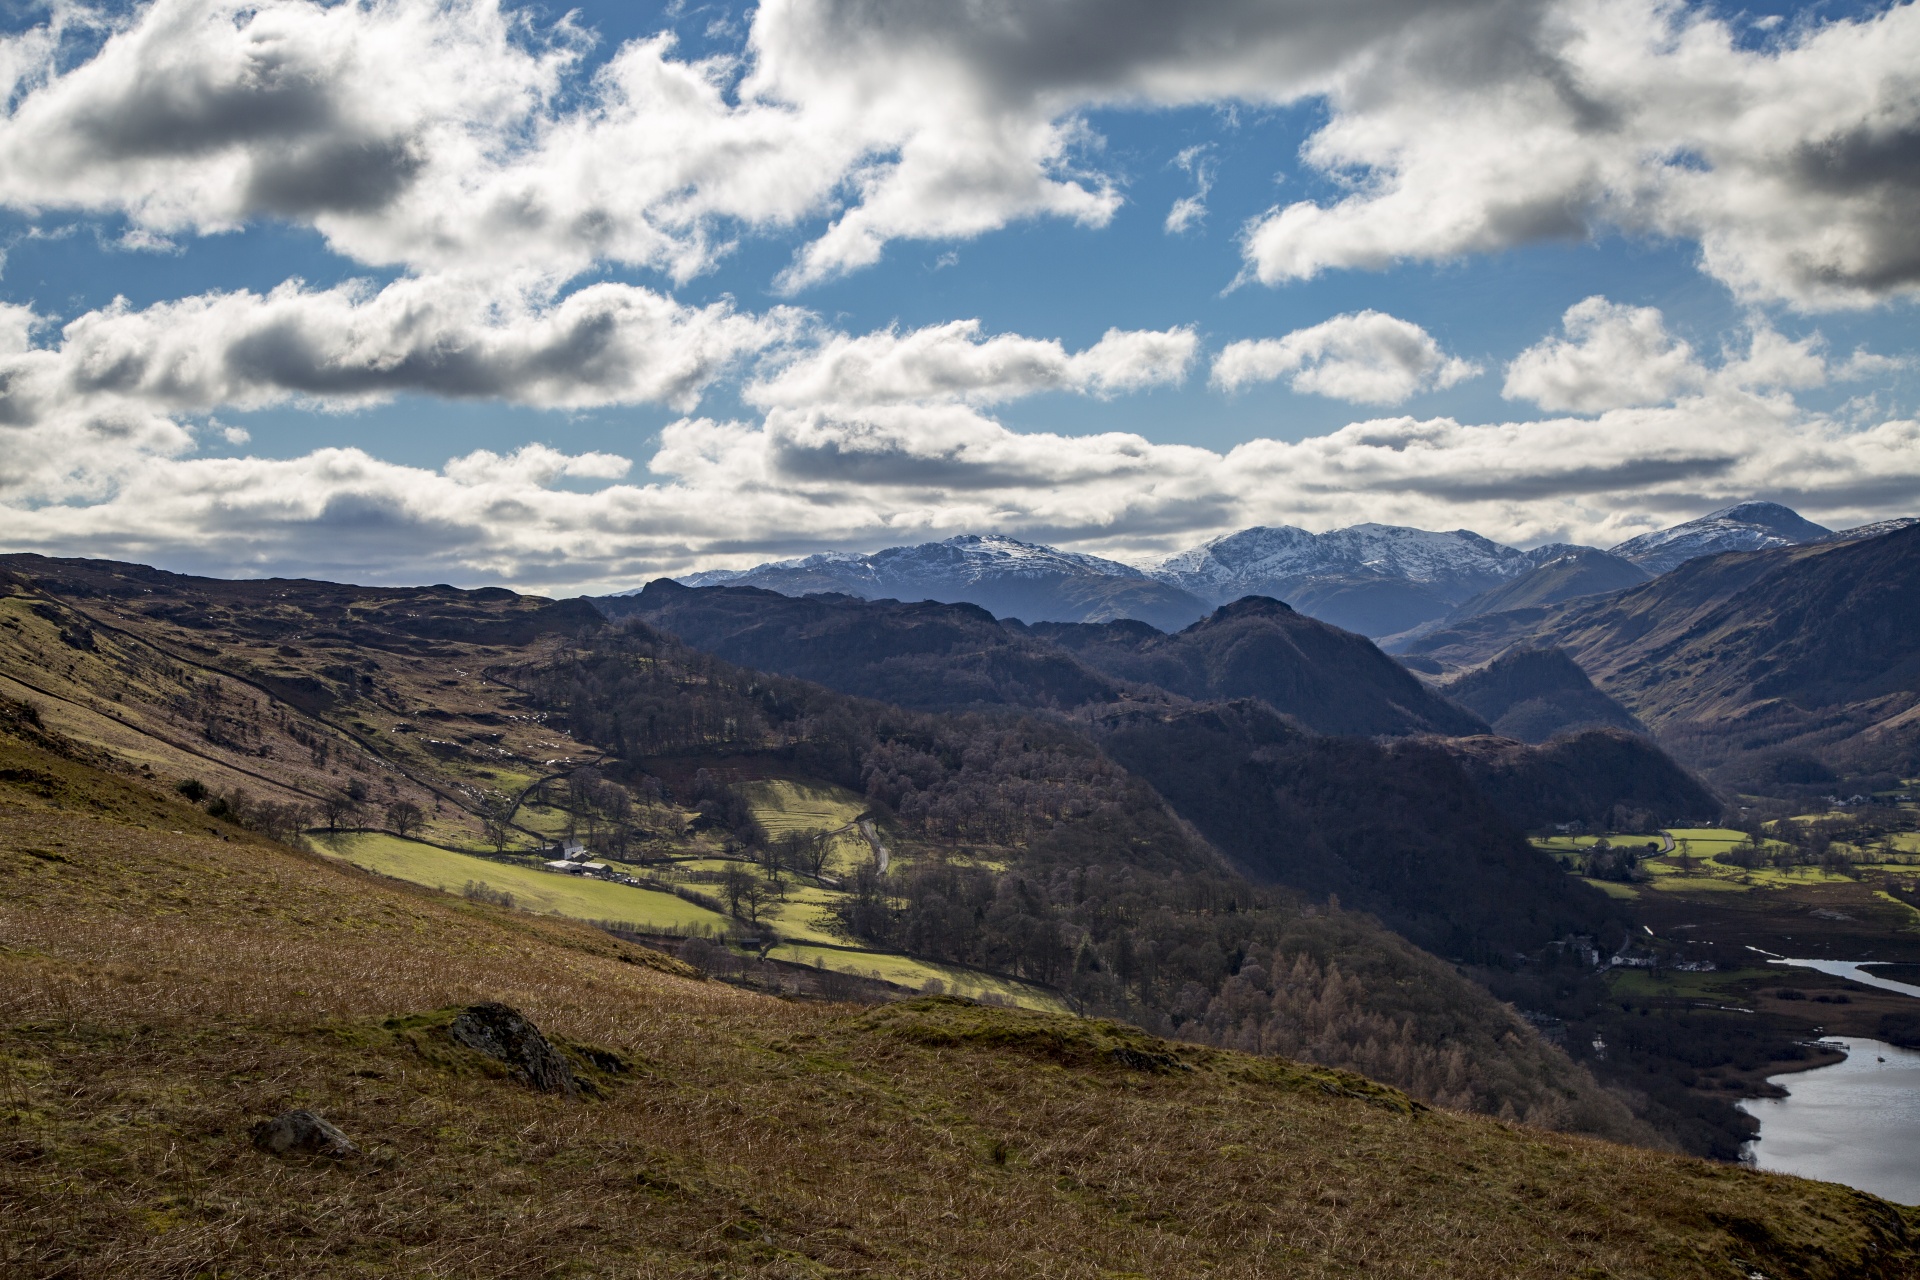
{"x":1856,"y":1122}
{"x":1852,"y":971}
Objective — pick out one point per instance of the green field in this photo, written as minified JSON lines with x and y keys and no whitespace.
{"x":1702,"y":844}
{"x":545,"y":891}
{"x":908,"y":972}
{"x":587,"y":899}
{"x":782,"y":806}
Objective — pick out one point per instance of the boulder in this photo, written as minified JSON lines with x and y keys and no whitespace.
{"x":301,"y":1133}
{"x":505,"y":1035}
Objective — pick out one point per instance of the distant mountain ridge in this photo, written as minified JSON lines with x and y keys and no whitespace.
{"x":1574,"y":572}
{"x":1375,"y":580}
{"x":1005,"y":576}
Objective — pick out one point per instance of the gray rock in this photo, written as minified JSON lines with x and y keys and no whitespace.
{"x":301,"y":1133}
{"x":504,"y":1034}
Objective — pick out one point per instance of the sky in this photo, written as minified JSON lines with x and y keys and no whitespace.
{"x":476,"y":292}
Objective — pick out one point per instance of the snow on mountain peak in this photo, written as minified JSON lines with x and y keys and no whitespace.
{"x":1745,"y":526}
{"x":1253,"y":560}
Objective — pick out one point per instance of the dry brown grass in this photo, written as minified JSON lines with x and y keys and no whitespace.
{"x":159,"y":993}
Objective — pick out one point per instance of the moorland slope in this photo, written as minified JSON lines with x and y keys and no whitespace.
{"x":168,"y":983}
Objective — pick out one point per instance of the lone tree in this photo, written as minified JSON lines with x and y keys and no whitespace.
{"x":336,"y":807}
{"x":747,"y":894}
{"x":405,"y":817}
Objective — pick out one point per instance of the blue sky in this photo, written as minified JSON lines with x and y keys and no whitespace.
{"x":1703,"y":245}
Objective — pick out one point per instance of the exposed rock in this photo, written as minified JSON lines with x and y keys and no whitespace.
{"x":301,"y":1133}
{"x":504,"y":1034}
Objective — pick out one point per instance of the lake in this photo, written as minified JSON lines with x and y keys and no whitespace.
{"x":1856,"y":1122}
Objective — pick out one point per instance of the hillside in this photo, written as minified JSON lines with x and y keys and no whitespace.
{"x":1575,"y":572}
{"x":1603,"y":779}
{"x":929,"y":656}
{"x":1394,"y":830}
{"x":1534,"y":694}
{"x":1331,"y":681}
{"x":168,"y":984}
{"x":1741,"y":663}
{"x":1002,"y":856}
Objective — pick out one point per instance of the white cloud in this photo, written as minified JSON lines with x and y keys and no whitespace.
{"x":1613,"y":357}
{"x":952,"y":362}
{"x":1790,"y":164}
{"x":111,"y":386}
{"x":1367,"y":357}
{"x":1189,"y":211}
{"x":1616,"y":356}
{"x":808,"y":477}
{"x":439,"y":135}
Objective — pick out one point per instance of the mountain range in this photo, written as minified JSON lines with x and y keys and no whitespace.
{"x":1373,"y":579}
{"x":1765,"y":667}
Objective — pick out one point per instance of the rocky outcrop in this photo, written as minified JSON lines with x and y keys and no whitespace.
{"x":302,"y":1133}
{"x":507,"y":1036}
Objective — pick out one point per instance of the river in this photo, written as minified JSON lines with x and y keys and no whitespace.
{"x":1856,"y":1122}
{"x":1851,"y":970}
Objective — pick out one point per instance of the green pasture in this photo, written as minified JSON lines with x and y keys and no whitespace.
{"x":908,"y":972}
{"x":1719,"y":985}
{"x":782,"y":806}
{"x":547,"y":820}
{"x":580,"y":897}
{"x":805,"y":915}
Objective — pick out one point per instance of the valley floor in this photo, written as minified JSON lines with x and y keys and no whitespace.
{"x":167,"y":981}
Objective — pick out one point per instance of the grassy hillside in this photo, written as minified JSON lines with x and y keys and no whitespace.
{"x":166,"y":982}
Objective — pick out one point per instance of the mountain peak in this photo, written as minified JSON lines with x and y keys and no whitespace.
{"x":1744,"y":526}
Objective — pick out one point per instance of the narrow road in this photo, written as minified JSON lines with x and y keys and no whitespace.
{"x":880,"y":854}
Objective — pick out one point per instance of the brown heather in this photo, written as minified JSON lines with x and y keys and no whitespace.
{"x":165,"y":982}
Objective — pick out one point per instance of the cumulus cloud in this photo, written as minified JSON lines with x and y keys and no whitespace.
{"x":1367,"y":357}
{"x":1791,"y":164}
{"x":433,"y":135}
{"x":1616,"y":356}
{"x":952,"y":362}
{"x":1613,"y":357}
{"x":114,"y":383}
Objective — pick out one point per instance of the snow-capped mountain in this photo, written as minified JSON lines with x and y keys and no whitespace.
{"x":1377,"y":579}
{"x":1746,"y":526}
{"x":1007,"y":577}
{"x":1245,"y":563}
{"x":965,"y":560}
{"x":1878,"y":528}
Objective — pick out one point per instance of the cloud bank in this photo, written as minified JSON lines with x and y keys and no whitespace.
{"x":435,"y":136}
{"x":866,"y":441}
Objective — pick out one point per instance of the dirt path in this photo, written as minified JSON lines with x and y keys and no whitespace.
{"x":880,"y":853}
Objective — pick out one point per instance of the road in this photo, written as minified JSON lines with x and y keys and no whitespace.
{"x":880,"y":854}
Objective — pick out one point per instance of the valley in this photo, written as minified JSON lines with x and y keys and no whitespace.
{"x":1256,"y":834}
{"x":162,"y":993}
